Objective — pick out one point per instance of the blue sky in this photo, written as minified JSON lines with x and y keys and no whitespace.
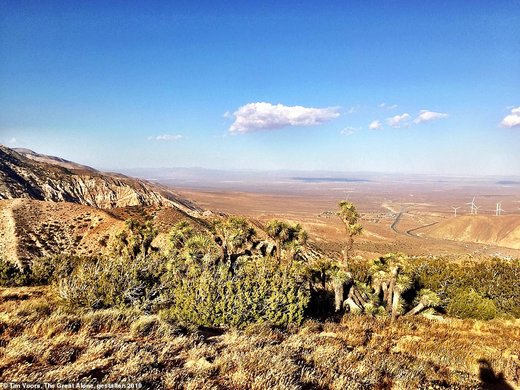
{"x":174,"y":84}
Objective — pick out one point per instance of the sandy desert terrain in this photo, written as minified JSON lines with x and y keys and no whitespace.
{"x":413,"y":214}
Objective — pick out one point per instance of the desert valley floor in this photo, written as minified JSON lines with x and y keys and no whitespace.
{"x":412,"y":214}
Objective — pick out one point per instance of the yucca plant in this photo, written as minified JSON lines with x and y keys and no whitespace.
{"x":425,"y":299}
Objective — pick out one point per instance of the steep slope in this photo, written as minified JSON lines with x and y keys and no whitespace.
{"x":31,"y":228}
{"x":500,"y":231}
{"x":26,"y":174}
{"x":30,"y":154}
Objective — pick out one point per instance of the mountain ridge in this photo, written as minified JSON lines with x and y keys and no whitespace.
{"x":27,"y":174}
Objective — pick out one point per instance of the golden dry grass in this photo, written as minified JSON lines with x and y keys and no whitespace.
{"x":41,"y":342}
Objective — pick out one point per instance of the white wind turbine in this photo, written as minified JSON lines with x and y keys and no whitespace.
{"x":455,"y":209}
{"x":473,"y":207}
{"x":348,"y":192}
{"x":499,"y":209}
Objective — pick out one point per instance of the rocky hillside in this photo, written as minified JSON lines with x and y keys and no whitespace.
{"x":32,"y":229}
{"x":484,"y":229}
{"x":26,"y":174}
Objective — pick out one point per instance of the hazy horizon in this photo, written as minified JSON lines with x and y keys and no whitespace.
{"x":395,"y":88}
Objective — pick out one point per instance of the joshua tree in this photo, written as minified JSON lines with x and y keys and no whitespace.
{"x":135,"y":240}
{"x":394,"y":272}
{"x":402,"y":283}
{"x":349,"y":216}
{"x":234,"y":233}
{"x":426,"y":298}
{"x":200,"y":250}
{"x":179,"y":234}
{"x":321,"y":267}
{"x":287,"y":236}
{"x":380,"y":278}
{"x":341,"y":278}
{"x":388,"y":274}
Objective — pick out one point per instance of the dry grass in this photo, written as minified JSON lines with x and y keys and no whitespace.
{"x":41,"y":342}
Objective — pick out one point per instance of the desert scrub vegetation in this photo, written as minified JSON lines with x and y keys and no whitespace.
{"x":113,"y":345}
{"x":208,"y":278}
{"x":12,"y":275}
{"x":467,"y":303}
{"x":261,"y":289}
{"x":231,"y":307}
{"x":492,"y":279}
{"x":483,"y":290}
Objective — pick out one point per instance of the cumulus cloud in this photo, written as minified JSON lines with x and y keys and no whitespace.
{"x":350,"y":130}
{"x":398,"y":120}
{"x":166,"y":137}
{"x":375,"y":125}
{"x":427,"y":116}
{"x":513,"y":119}
{"x":266,"y":116}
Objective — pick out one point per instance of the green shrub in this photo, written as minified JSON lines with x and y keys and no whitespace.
{"x":492,"y":278}
{"x":255,"y":290}
{"x":12,"y":275}
{"x":467,"y":303}
{"x":108,"y":282}
{"x":49,"y":269}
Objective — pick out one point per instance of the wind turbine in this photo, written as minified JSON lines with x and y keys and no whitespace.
{"x":348,"y":192}
{"x":455,"y":209}
{"x":473,"y":207}
{"x":499,"y":209}
{"x":476,"y":209}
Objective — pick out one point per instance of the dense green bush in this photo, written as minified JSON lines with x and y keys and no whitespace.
{"x":49,"y":269}
{"x":494,"y":279}
{"x":467,"y":303}
{"x":498,"y":280}
{"x":209,"y":293}
{"x":12,"y":275}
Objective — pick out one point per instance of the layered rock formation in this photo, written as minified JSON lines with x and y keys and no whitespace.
{"x":26,"y":174}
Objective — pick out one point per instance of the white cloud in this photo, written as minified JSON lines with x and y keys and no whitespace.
{"x":387,"y":106}
{"x":349,"y":130}
{"x":266,"y":116}
{"x":166,"y":137}
{"x":398,"y":120}
{"x":375,"y":125}
{"x":513,"y":119}
{"x":427,"y":116}
{"x":12,"y":141}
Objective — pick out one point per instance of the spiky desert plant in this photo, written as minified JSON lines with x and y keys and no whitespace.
{"x":402,"y":283}
{"x":200,"y":249}
{"x":234,"y":233}
{"x":426,"y":298}
{"x":135,"y":239}
{"x":380,"y":277}
{"x":320,"y":268}
{"x":349,"y":217}
{"x":179,"y":234}
{"x":340,"y":279}
{"x":286,"y":235}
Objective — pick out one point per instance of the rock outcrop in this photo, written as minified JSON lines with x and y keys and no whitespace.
{"x":26,"y":174}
